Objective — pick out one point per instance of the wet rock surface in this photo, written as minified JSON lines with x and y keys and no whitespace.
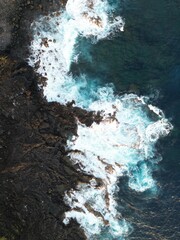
{"x":35,"y":170}
{"x":16,"y":17}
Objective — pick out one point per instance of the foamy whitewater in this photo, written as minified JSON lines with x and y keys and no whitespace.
{"x":123,"y":143}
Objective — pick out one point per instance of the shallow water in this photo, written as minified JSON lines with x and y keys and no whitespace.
{"x":93,"y":64}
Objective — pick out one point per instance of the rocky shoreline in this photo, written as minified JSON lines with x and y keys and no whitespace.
{"x":35,"y":170}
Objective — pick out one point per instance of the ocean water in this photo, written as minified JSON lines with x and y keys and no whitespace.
{"x":119,"y":58}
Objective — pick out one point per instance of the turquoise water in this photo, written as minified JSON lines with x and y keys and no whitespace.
{"x":145,"y":59}
{"x":154,"y":35}
{"x":145,"y":53}
{"x":95,"y":72}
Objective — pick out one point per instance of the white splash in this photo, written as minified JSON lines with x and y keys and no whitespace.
{"x":123,"y":143}
{"x":54,"y":41}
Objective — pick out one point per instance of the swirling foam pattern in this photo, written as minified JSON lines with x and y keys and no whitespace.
{"x":123,"y":143}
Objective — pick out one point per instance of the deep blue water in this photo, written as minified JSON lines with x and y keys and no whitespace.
{"x":145,"y":59}
{"x":155,"y":35}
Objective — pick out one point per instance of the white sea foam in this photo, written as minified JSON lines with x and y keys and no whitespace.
{"x":54,"y":41}
{"x":123,"y":143}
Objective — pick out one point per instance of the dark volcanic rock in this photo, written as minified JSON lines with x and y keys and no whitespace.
{"x":34,"y":168}
{"x":15,"y":20}
{"x":6,"y":10}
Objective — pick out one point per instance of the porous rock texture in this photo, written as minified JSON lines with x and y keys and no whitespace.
{"x":35,"y":170}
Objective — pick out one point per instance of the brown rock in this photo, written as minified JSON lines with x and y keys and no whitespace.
{"x":34,"y":168}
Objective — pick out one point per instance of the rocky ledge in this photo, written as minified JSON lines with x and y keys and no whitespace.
{"x":35,"y":170}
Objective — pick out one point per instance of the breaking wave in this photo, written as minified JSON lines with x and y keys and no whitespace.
{"x":123,"y":143}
